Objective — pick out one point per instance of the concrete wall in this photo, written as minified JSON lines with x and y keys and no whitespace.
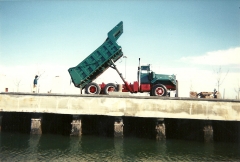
{"x":181,"y":108}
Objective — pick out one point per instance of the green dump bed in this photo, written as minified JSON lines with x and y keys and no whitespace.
{"x":99,"y":60}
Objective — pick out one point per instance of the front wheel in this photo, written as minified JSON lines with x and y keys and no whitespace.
{"x":92,"y":88}
{"x":110,"y":87}
{"x":159,"y":90}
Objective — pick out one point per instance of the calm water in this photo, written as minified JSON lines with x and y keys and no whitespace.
{"x":48,"y":147}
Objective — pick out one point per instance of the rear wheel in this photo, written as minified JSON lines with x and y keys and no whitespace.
{"x":92,"y":88}
{"x":159,"y":90}
{"x":110,"y":87}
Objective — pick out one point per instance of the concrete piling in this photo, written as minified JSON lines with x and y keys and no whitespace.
{"x":36,"y":127}
{"x":118,"y":127}
{"x":239,"y":133}
{"x":76,"y":126}
{"x":160,"y":130}
{"x":36,"y":123}
{"x":0,"y":122}
{"x":208,"y":132}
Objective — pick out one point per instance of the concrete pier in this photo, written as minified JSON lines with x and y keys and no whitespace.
{"x":160,"y":130}
{"x":76,"y":126}
{"x":133,"y":106}
{"x":106,"y":115}
{"x":118,"y":127}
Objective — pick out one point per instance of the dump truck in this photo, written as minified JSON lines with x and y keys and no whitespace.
{"x":104,"y":57}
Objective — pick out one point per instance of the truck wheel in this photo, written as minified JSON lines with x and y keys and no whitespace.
{"x":110,"y":87}
{"x":92,"y":88}
{"x":159,"y":90}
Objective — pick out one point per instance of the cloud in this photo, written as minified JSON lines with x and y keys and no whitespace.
{"x":220,"y":57}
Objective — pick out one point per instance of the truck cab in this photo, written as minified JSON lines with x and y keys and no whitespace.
{"x":156,"y":84}
{"x":145,"y":74}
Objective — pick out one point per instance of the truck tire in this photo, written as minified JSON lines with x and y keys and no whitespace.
{"x":159,"y":90}
{"x":92,"y":88}
{"x":110,"y":87}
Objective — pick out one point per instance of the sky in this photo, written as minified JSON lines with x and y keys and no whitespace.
{"x":198,"y":41}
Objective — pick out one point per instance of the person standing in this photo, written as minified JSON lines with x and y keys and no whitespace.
{"x":35,"y":83}
{"x":214,"y":93}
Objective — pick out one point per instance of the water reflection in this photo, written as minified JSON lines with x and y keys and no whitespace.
{"x":118,"y":147}
{"x":13,"y":146}
{"x":32,"y":150}
{"x":101,"y":148}
{"x":143,"y":149}
{"x":49,"y":147}
{"x":75,"y":144}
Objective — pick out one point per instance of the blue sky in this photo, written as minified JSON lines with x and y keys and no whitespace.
{"x":171,"y":35}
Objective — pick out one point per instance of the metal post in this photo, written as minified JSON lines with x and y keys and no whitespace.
{"x":80,"y":90}
{"x":176,"y":95}
{"x":125,"y":65}
{"x":238,"y":93}
{"x":223,"y":93}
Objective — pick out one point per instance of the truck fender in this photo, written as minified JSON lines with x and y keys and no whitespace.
{"x":159,"y":90}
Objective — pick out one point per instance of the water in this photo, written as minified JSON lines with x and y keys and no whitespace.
{"x":51,"y":147}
